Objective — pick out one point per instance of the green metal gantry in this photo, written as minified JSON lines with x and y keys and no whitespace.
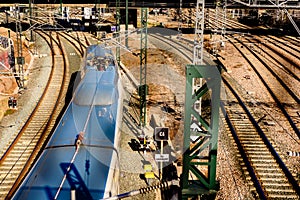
{"x":200,"y":156}
{"x":143,"y":88}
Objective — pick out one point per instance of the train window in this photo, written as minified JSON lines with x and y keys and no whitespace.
{"x":100,"y":63}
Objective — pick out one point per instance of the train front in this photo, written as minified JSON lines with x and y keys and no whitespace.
{"x":81,"y":159}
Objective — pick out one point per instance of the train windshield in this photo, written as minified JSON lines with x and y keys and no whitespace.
{"x":100,"y":63}
{"x":99,"y":58}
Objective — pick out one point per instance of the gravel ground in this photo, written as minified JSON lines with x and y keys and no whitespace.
{"x":132,"y":162}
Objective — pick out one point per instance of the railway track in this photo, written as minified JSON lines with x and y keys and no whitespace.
{"x":269,"y":81}
{"x":262,"y":169}
{"x":287,"y":51}
{"x":83,"y":39}
{"x":270,"y":177}
{"x":20,"y":155}
{"x":284,"y":66}
{"x":292,"y":40}
{"x":288,"y":45}
{"x":281,"y":58}
{"x":74,"y":41}
{"x":79,"y":41}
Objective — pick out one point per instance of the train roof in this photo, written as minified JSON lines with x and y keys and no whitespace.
{"x":88,"y":167}
{"x":96,"y":89}
{"x":99,"y":78}
{"x":88,"y":174}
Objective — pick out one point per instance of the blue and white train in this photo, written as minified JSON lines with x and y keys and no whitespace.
{"x":81,"y":159}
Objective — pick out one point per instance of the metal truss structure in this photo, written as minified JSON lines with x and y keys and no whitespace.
{"x":200,"y":156}
{"x":200,"y":144}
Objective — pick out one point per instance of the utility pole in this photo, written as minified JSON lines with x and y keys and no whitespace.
{"x":198,"y":45}
{"x":20,"y":59}
{"x":97,"y":8}
{"x":143,"y":87}
{"x":199,"y":33}
{"x":219,"y":30}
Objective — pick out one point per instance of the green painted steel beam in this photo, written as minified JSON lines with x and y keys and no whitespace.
{"x":200,"y":160}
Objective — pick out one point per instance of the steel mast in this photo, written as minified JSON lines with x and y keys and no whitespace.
{"x":143,"y":87}
{"x":20,"y":59}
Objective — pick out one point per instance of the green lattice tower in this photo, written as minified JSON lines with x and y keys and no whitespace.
{"x":143,"y":88}
{"x":199,"y":158}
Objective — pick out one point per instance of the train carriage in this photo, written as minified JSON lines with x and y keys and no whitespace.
{"x":81,"y":158}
